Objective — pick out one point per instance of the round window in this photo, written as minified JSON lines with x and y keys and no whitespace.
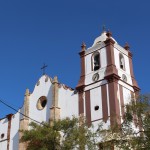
{"x":42,"y":101}
{"x":2,"y":135}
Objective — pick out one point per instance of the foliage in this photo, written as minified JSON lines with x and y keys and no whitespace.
{"x":134,"y":132}
{"x":69,"y":134}
{"x":65,"y":134}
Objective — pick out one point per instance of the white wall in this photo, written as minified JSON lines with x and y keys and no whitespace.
{"x":3,"y":130}
{"x":44,"y":89}
{"x":88,"y":69}
{"x":14,"y":134}
{"x":127,"y":65}
{"x":96,"y":100}
{"x":3,"y":145}
{"x":126,"y":95}
{"x":68,"y":103}
{"x":103,"y":55}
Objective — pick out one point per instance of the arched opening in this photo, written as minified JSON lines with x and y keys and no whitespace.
{"x":122,"y":61}
{"x":96,"y":61}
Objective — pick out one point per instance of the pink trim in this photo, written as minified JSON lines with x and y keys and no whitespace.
{"x":88,"y":107}
{"x":104,"y":103}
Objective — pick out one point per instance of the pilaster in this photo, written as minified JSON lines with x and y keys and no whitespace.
{"x":9,"y":117}
{"x":111,"y":67}
{"x":134,"y":82}
{"x":24,"y":122}
{"x":55,"y":110}
{"x":113,"y":100}
{"x":112,"y":77}
{"x":81,"y":82}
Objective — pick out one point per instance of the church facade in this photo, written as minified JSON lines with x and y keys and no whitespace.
{"x":106,"y":84}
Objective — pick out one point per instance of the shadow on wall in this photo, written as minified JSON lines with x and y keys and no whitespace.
{"x":49,"y":102}
{"x":16,"y":141}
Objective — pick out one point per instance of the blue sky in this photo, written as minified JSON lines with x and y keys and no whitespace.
{"x":36,"y":31}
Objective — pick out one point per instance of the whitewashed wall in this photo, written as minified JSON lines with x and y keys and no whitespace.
{"x":88,"y":68}
{"x":68,"y":103}
{"x":96,"y":100}
{"x":3,"y":145}
{"x":127,"y":66}
{"x":126,"y":95}
{"x":3,"y":130}
{"x":43,"y":89}
{"x":103,"y":57}
{"x":14,"y":134}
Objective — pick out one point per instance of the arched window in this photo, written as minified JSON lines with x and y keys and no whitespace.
{"x":95,"y":61}
{"x":122,"y":61}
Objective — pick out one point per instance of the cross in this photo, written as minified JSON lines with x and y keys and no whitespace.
{"x":43,"y":68}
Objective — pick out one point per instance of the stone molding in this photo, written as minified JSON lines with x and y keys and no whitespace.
{"x":24,"y":122}
{"x":9,"y":117}
{"x":81,"y":82}
{"x":54,"y":109}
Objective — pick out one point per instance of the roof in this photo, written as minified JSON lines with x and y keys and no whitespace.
{"x":102,"y":38}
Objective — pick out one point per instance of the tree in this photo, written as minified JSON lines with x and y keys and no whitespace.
{"x":134,"y":131}
{"x":69,"y":134}
{"x":65,"y":134}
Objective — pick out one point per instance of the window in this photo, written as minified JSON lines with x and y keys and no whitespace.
{"x":2,"y":135}
{"x":122,"y":61}
{"x":42,"y":101}
{"x":96,"y":108}
{"x":95,"y":61}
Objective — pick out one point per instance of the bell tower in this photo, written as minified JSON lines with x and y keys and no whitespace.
{"x":107,"y":80}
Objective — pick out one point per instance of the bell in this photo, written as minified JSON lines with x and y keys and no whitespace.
{"x":96,"y":66}
{"x":121,"y":66}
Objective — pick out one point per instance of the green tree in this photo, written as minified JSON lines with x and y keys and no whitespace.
{"x":69,"y":134}
{"x":65,"y":134}
{"x":134,"y":132}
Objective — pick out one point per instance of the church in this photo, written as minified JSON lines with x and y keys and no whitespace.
{"x":106,"y":84}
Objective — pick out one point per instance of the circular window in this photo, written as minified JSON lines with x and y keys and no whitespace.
{"x":96,"y":108}
{"x":42,"y":101}
{"x":2,"y":135}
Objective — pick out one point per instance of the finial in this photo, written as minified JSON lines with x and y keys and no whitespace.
{"x":27,"y":92}
{"x":83,"y":46}
{"x":127,"y":47}
{"x":104,"y":28}
{"x":109,"y":34}
{"x":9,"y":116}
{"x":55,"y":80}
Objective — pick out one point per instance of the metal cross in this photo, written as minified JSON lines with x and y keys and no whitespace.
{"x":43,"y":68}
